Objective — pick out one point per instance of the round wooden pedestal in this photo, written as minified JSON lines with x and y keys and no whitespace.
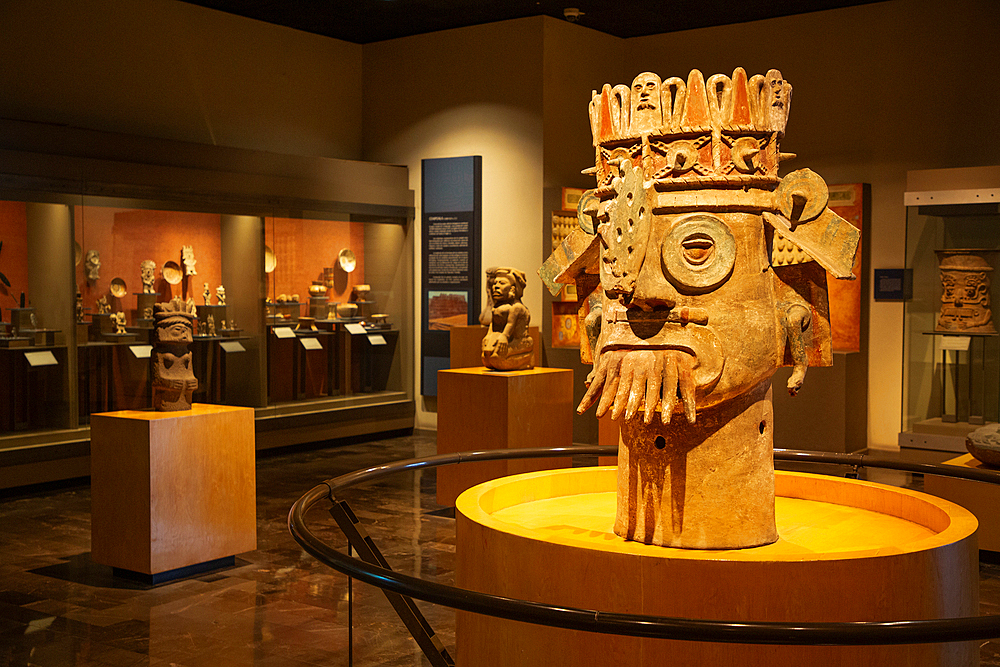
{"x":847,"y":551}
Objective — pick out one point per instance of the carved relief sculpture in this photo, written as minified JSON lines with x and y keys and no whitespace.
{"x":507,"y":345}
{"x":173,"y":378}
{"x":965,"y":291}
{"x":92,"y":264}
{"x":984,"y":444}
{"x":220,"y":295}
{"x":708,"y":271}
{"x":147,"y":269}
{"x":187,"y":257}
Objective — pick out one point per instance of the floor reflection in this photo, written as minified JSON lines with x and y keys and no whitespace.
{"x":277,"y":607}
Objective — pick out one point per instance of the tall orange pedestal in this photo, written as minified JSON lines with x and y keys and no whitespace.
{"x":847,"y":551}
{"x":479,"y":409}
{"x":172,"y":491}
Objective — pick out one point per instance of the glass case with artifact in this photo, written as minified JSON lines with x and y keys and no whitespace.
{"x":138,"y":257}
{"x":291,"y":276}
{"x":951,"y":372}
{"x":333,"y":312}
{"x":34,"y":364}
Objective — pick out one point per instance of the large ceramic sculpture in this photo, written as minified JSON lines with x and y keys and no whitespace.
{"x":507,"y":345}
{"x":173,"y":378}
{"x":702,"y":257}
{"x":965,"y":291}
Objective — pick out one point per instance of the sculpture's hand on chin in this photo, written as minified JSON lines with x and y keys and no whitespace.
{"x":606,"y":373}
{"x":628,"y":379}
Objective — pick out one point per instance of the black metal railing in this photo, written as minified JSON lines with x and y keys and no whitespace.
{"x":637,"y":625}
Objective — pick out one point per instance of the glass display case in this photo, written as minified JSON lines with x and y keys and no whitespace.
{"x":951,"y":371}
{"x":333,"y":320}
{"x":300,"y":275}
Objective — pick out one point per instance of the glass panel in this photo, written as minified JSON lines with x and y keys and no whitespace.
{"x":33,"y":354}
{"x":134,"y":258}
{"x":948,"y":391}
{"x":333,"y":310}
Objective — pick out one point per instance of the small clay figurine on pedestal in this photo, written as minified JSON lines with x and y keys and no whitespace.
{"x":207,"y":295}
{"x":93,"y":265}
{"x":220,"y":295}
{"x":507,"y":345}
{"x":173,"y":378}
{"x":147,"y":270}
{"x":187,"y":257}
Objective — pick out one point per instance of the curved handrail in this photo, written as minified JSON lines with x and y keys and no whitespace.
{"x":638,"y":625}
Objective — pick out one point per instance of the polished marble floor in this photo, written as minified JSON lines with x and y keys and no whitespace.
{"x":277,"y":607}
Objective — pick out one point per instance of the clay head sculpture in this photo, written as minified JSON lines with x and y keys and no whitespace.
{"x":702,"y":258}
{"x":965,"y":291}
{"x":507,"y":345}
{"x":174,"y":381}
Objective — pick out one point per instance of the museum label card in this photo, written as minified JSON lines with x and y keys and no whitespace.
{"x":376,"y":339}
{"x":960,"y":343}
{"x":311,"y":343}
{"x":355,"y":329}
{"x":141,"y":351}
{"x":232,"y":346}
{"x":284,"y":332}
{"x":45,"y":358}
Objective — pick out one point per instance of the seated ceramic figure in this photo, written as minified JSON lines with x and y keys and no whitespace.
{"x":507,"y":345}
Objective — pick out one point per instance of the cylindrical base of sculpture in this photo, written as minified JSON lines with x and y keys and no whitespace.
{"x":847,"y":551}
{"x":707,"y":485}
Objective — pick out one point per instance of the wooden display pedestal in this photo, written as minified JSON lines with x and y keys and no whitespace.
{"x":847,"y":551}
{"x":978,"y":497}
{"x":482,"y":409}
{"x":173,"y":493}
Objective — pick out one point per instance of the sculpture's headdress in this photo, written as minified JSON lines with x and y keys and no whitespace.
{"x":516,"y":276}
{"x":175,"y":310}
{"x":693,"y":134}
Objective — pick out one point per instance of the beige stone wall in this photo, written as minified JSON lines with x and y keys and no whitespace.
{"x":879,"y":89}
{"x":167,"y":69}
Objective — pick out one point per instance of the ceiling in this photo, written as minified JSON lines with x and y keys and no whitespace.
{"x":364,"y":21}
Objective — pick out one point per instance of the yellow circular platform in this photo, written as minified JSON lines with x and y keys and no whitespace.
{"x":847,"y":551}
